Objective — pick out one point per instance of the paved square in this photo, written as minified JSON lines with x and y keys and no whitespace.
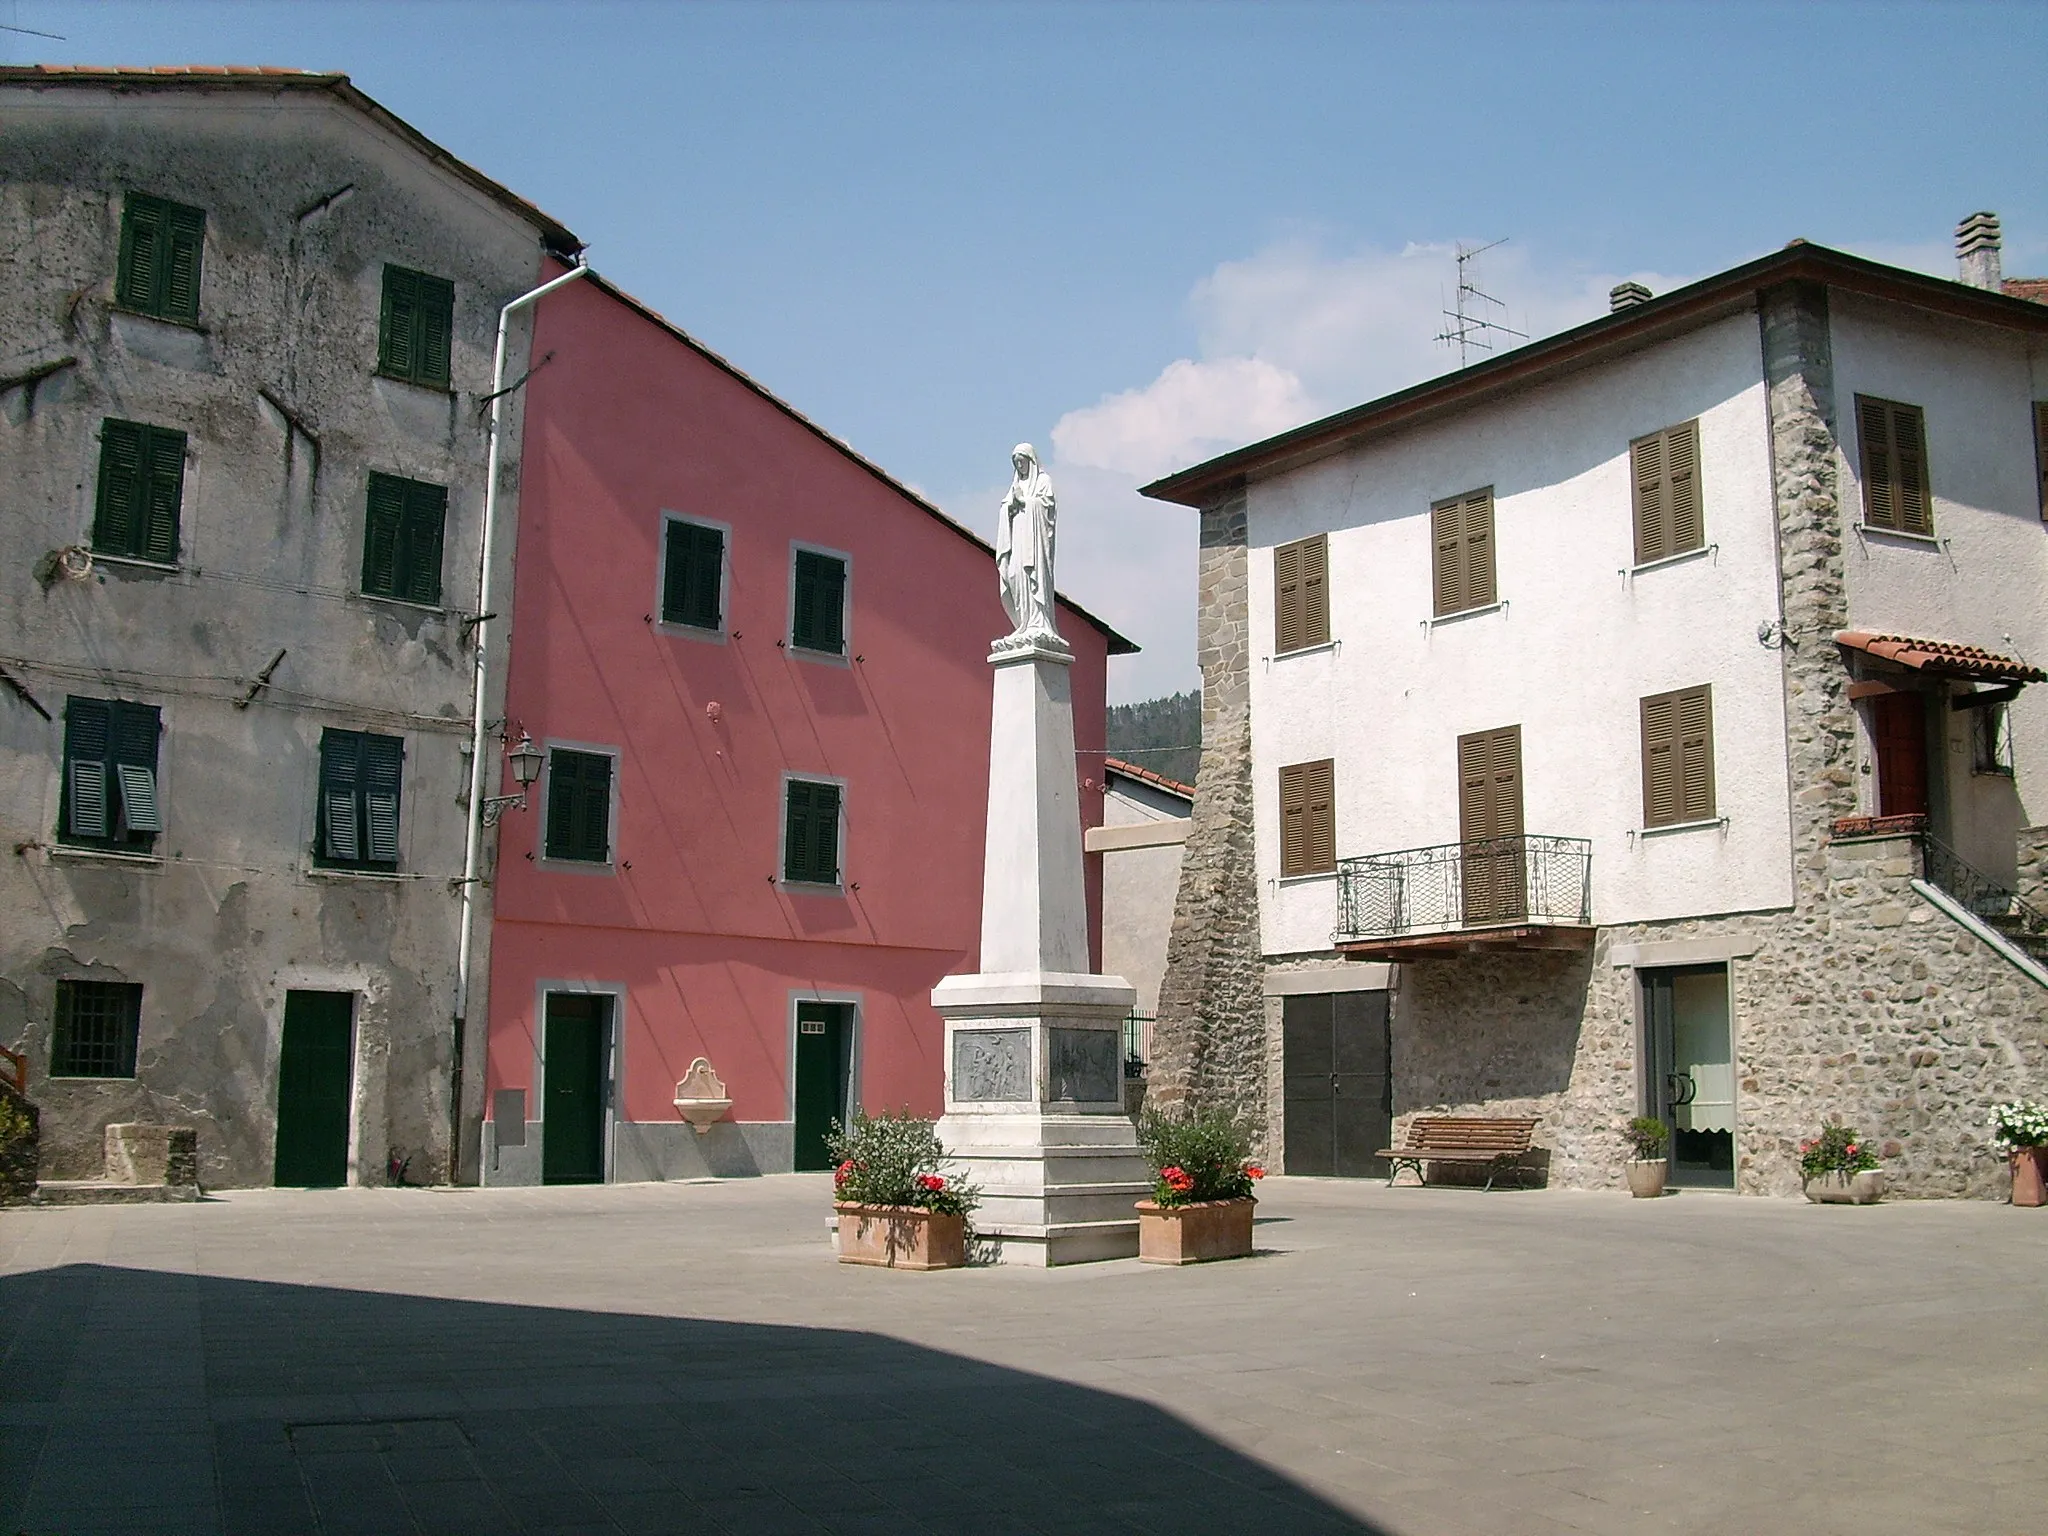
{"x":686,"y":1358}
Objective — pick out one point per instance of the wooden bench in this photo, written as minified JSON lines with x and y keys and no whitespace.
{"x":1498,"y":1143}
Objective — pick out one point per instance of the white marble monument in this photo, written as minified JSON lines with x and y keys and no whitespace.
{"x":1034,"y":1040}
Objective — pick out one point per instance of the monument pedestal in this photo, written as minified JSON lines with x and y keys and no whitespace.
{"x":1034,"y":1041}
{"x":1034,"y":1113}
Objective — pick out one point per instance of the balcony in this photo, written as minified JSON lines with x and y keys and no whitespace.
{"x":1526,"y":892}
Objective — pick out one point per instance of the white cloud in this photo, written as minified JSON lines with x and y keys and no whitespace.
{"x":1287,"y":334}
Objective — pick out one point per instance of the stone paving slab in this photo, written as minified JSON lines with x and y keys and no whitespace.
{"x":1413,"y":1362}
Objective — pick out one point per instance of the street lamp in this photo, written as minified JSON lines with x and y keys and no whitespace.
{"x":526,"y":760}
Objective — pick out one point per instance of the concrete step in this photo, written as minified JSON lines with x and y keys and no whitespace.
{"x":102,"y":1192}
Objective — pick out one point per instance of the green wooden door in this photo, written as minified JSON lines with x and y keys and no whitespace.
{"x":823,"y":1059}
{"x":574,"y":1052}
{"x":314,"y":1073}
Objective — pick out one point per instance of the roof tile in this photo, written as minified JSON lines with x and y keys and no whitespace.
{"x":1941,"y":658}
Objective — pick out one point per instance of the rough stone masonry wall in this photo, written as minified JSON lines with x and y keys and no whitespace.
{"x":1209,"y":1042}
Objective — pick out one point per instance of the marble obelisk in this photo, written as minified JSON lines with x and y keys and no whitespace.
{"x":1034,"y":1040}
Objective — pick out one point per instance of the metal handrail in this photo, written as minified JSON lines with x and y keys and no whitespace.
{"x":1447,"y":887}
{"x":1980,"y":895}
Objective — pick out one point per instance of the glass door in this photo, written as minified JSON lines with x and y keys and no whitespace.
{"x":1690,"y":1070}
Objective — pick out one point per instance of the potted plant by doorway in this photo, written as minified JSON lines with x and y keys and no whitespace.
{"x":897,"y":1207}
{"x":2021,"y":1129}
{"x":1838,"y":1167}
{"x":1202,"y":1177}
{"x":1647,"y":1166}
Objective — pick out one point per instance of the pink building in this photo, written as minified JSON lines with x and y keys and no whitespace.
{"x":757,"y":667}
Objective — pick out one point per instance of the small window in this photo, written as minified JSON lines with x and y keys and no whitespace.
{"x":1308,"y":818}
{"x":1462,"y":527}
{"x":97,"y":1025}
{"x":1894,"y":441}
{"x":1665,"y":467}
{"x":109,"y":795}
{"x":415,"y":330}
{"x":359,"y":793}
{"x":1991,"y":739}
{"x":1678,"y":757}
{"x":402,"y":539}
{"x":692,"y":574}
{"x":579,"y":807}
{"x":818,"y":605}
{"x":810,"y":832}
{"x":161,"y":246}
{"x":1301,"y":595}
{"x":142,"y":483}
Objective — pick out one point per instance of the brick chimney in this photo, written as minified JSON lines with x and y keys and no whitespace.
{"x":1978,"y":244}
{"x":1626,"y":296}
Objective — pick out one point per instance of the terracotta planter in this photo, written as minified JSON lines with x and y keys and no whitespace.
{"x":900,"y":1237}
{"x":1646,"y":1176}
{"x":1191,"y":1234}
{"x":2030,"y":1175}
{"x":1839,"y":1188}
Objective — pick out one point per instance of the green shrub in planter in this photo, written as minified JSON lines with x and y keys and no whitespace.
{"x":1197,"y":1156}
{"x":1646,"y":1138}
{"x":896,"y":1159}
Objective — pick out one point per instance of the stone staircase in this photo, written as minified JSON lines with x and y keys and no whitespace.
{"x":2021,"y":925}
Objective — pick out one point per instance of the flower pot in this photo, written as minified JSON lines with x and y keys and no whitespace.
{"x":1646,"y":1176}
{"x":1838,"y":1188}
{"x":1190,"y":1234}
{"x":900,"y":1237}
{"x":2030,"y":1175}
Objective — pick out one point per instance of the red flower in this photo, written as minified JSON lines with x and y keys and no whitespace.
{"x":930,"y":1182}
{"x":843,"y":1172}
{"x":1179,"y":1180}
{"x":1254,"y":1171}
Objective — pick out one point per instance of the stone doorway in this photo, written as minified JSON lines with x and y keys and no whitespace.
{"x":1689,"y":1078}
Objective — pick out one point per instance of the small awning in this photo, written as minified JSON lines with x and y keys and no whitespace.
{"x":1938,"y":658}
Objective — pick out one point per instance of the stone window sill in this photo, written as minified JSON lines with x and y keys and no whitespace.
{"x":1671,"y":827}
{"x":332,"y":872}
{"x":1680,"y":558}
{"x":437,"y":609}
{"x":69,"y":853}
{"x":443,"y":390}
{"x":811,"y":887}
{"x":135,"y":563}
{"x":1464,"y":613}
{"x":1328,"y":647}
{"x":1313,"y":877}
{"x":830,"y":658}
{"x":1929,"y":540}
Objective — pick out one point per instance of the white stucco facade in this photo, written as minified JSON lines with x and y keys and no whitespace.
{"x":1577,"y":640}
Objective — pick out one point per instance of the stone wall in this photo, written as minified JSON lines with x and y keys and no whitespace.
{"x":1209,"y":1043}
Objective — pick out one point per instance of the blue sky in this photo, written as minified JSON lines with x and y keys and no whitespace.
{"x":1138,"y":234}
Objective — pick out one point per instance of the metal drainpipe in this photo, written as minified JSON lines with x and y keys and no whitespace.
{"x":472,"y":849}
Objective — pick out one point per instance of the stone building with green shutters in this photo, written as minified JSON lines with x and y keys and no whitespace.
{"x":246,"y":319}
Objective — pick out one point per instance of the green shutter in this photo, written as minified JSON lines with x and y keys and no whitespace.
{"x":825,"y":834}
{"x":163,"y":246}
{"x":381,"y":760}
{"x":435,"y":335}
{"x":426,"y":512}
{"x":135,"y":283}
{"x":810,"y":839}
{"x":123,"y":492}
{"x":166,"y":488}
{"x":819,"y":623}
{"x":579,"y":806}
{"x":88,"y":743}
{"x":796,"y":830}
{"x":693,"y":560}
{"x":395,"y":353}
{"x":340,"y":778}
{"x":135,"y":731}
{"x":380,"y":539}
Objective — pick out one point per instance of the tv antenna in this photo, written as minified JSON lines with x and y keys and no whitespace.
{"x":1471,"y":325}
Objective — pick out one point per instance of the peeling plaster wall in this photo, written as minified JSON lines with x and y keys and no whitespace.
{"x":306,"y":200}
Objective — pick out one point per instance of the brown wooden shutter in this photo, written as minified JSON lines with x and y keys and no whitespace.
{"x":1449,"y":556}
{"x":1315,"y":590}
{"x":1308,"y":822}
{"x":1653,"y":521}
{"x":1287,"y":598}
{"x":1895,"y":481}
{"x":1665,"y":469}
{"x":2041,"y":450}
{"x":1462,"y":530}
{"x":1490,"y":784}
{"x":1678,"y":756}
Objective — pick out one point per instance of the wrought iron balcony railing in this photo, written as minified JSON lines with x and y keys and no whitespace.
{"x":1453,"y":886}
{"x":2023,"y":925}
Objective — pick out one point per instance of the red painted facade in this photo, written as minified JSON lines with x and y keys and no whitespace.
{"x":629,"y":421}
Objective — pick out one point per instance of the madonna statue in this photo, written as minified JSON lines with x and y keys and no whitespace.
{"x":1024,"y":540}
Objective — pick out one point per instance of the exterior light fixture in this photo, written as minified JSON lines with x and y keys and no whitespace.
{"x":526,"y":759}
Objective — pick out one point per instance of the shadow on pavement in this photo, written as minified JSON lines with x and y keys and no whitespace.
{"x":138,"y":1400}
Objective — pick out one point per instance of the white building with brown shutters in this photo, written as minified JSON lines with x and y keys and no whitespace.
{"x":1638,"y":722}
